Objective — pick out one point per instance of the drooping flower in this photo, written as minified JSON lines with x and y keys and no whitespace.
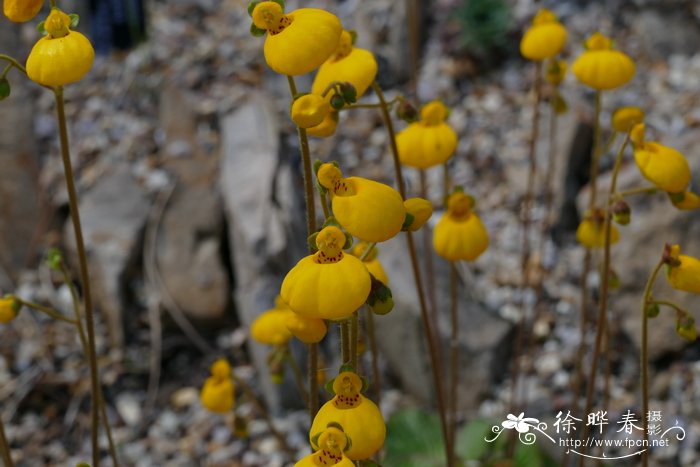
{"x":218,"y":391}
{"x":601,"y":67}
{"x":331,"y":443}
{"x":270,"y":327}
{"x":683,"y":271}
{"x":61,"y":57}
{"x":307,"y":330}
{"x":359,"y":417}
{"x":369,"y":210}
{"x":296,"y":42}
{"x":421,"y":210}
{"x":663,"y":166}
{"x":328,"y":284}
{"x":349,"y":64}
{"x":20,"y":11}
{"x":9,"y":307}
{"x":428,"y":142}
{"x":460,"y":234}
{"x":685,"y":200}
{"x":625,"y":118}
{"x":309,"y":110}
{"x":545,"y":38}
{"x":591,"y":231}
{"x":371,"y":262}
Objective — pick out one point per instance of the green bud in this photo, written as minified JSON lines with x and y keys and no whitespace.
{"x":621,"y":212}
{"x":4,"y":89}
{"x":337,"y":101}
{"x":256,"y":31}
{"x":652,"y":310}
{"x":406,"y":112}
{"x":54,"y":258}
{"x":349,"y":92}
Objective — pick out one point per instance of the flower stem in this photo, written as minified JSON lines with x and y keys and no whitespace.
{"x":433,"y":349}
{"x":47,"y":311}
{"x":14,"y":63}
{"x":84,"y":275}
{"x":296,"y":371}
{"x":345,"y":341}
{"x":454,"y":358}
{"x":637,"y":191}
{"x":354,"y":336}
{"x":428,"y":251}
{"x":372,"y":338}
{"x":310,"y":229}
{"x":5,"y":446}
{"x":644,"y":354}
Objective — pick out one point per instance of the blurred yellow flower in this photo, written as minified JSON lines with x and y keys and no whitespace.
{"x":218,"y":392}
{"x":8,"y":309}
{"x":591,"y":230}
{"x":270,"y":327}
{"x":421,"y":210}
{"x":601,"y":67}
{"x":460,"y":234}
{"x":685,"y":200}
{"x":625,"y":118}
{"x":663,"y":166}
{"x":685,"y":273}
{"x":20,"y":11}
{"x":555,"y":72}
{"x":545,"y":38}
{"x":428,"y":142}
{"x":307,"y":330}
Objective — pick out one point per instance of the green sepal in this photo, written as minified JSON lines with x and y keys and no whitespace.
{"x":312,"y":241}
{"x":348,"y":92}
{"x":458,"y":189}
{"x":251,"y":7}
{"x":74,"y":20}
{"x":314,"y":440}
{"x":16,"y":304}
{"x":346,"y":367}
{"x":331,"y":221}
{"x":280,"y":3}
{"x":41,"y":27}
{"x":54,"y":258}
{"x":317,"y":166}
{"x":337,"y":101}
{"x":5,"y":89}
{"x":652,"y":310}
{"x":256,"y":31}
{"x":353,"y":36}
{"x":677,"y":197}
{"x":408,"y":221}
{"x":329,"y":387}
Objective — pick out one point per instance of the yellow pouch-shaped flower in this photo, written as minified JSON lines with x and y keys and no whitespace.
{"x":353,"y":65}
{"x":545,"y":38}
{"x":218,"y":392}
{"x":20,"y":11}
{"x":460,"y":234}
{"x":297,"y":42}
{"x":307,"y":330}
{"x":271,"y":327}
{"x":62,"y":56}
{"x":602,"y":68}
{"x":331,"y":443}
{"x":8,"y":309}
{"x":369,"y":210}
{"x":328,"y":284}
{"x":591,"y":231}
{"x":685,"y":201}
{"x":685,"y":274}
{"x":309,"y":110}
{"x":421,"y":210}
{"x":371,"y":262}
{"x":428,"y":142}
{"x":625,"y":118}
{"x":326,"y":128}
{"x":359,"y":417}
{"x":663,"y":166}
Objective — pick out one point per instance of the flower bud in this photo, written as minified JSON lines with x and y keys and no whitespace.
{"x":337,"y":101}
{"x":380,"y":298}
{"x":685,"y":327}
{"x":621,"y":212}
{"x":9,"y":308}
{"x":349,"y":93}
{"x":406,"y":112}
{"x":652,"y":310}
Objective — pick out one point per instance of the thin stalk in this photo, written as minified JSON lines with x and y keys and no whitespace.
{"x":310,"y":229}
{"x":14,"y":63}
{"x":604,"y":289}
{"x":372,"y":338}
{"x":428,"y":251}
{"x":354,"y":336}
{"x":433,"y":349}
{"x":667,"y":303}
{"x":324,"y":206}
{"x":644,"y":357}
{"x":47,"y":311}
{"x":345,"y":341}
{"x":296,"y":371}
{"x":637,"y":191}
{"x":5,"y":446}
{"x":597,"y":151}
{"x":454,"y":358}
{"x":84,"y":275}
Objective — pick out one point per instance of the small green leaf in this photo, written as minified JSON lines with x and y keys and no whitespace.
{"x":54,"y":258}
{"x":471,"y":444}
{"x":41,"y":28}
{"x":251,"y":7}
{"x":5,"y":89}
{"x":74,"y":20}
{"x":337,"y":101}
{"x":312,"y":241}
{"x":256,"y":31}
{"x":414,"y":439}
{"x":408,"y":221}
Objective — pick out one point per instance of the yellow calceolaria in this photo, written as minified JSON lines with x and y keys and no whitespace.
{"x":309,"y":110}
{"x":460,"y":234}
{"x":371,"y":262}
{"x":685,"y":200}
{"x":591,"y":230}
{"x":663,"y":166}
{"x":428,"y":142}
{"x":218,"y":391}
{"x":626,"y":118}
{"x":270,"y":327}
{"x":421,"y":210}
{"x":332,"y":442}
{"x":555,"y":72}
{"x":299,"y":41}
{"x":9,"y":307}
{"x":62,"y":56}
{"x":349,"y":64}
{"x":307,"y":330}
{"x":20,"y":11}
{"x":683,"y":272}
{"x":360,"y":418}
{"x":369,"y":210}
{"x":326,"y":128}
{"x":545,"y":38}
{"x":328,"y":284}
{"x":601,"y":67}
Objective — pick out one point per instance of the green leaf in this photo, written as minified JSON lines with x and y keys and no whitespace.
{"x":74,"y":20}
{"x":530,"y":455}
{"x":471,"y":444}
{"x":41,"y":28}
{"x":5,"y":89}
{"x":251,"y":7}
{"x":414,"y":439}
{"x":256,"y":31}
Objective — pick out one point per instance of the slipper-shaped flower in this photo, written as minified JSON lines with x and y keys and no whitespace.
{"x":601,"y":67}
{"x":545,"y":38}
{"x":428,"y":142}
{"x":460,"y":234}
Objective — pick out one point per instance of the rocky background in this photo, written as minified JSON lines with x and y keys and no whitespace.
{"x":188,"y":173}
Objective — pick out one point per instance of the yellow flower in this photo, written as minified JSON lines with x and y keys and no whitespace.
{"x":8,"y":309}
{"x":545,"y":38}
{"x":371,"y":262}
{"x":328,"y":284}
{"x":326,"y":128}
{"x":685,"y":200}
{"x":460,"y":234}
{"x":428,"y":142}
{"x":270,"y":327}
{"x":626,"y":118}
{"x":20,"y":11}
{"x":331,"y":443}
{"x":62,"y":56}
{"x":685,"y":273}
{"x":309,"y":110}
{"x":663,"y":166}
{"x":360,"y":418}
{"x":218,"y":391}
{"x":369,"y":210}
{"x":555,"y":72}
{"x":350,"y":64}
{"x":307,"y":330}
{"x":591,"y":230}
{"x":602,"y":68}
{"x":299,"y":41}
{"x":421,"y":210}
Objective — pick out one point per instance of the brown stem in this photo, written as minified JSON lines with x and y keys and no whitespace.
{"x":296,"y":372}
{"x":428,"y":251}
{"x":5,"y":446}
{"x":345,"y":341}
{"x":372,"y":338}
{"x":354,"y":336}
{"x":84,"y":275}
{"x":454,"y":358}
